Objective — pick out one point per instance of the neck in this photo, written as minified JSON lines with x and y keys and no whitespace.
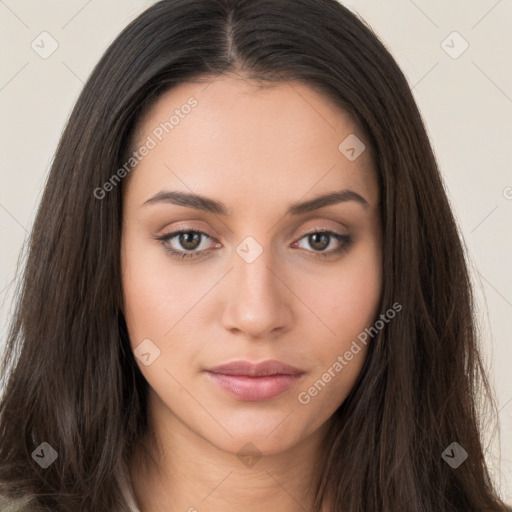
{"x":188,"y":473}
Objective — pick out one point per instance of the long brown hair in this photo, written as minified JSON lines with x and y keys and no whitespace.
{"x":69,"y":374}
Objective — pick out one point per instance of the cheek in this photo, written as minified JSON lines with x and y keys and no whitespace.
{"x":348,"y":306}
{"x":357,"y":295}
{"x":155,"y":297}
{"x":347,"y":300}
{"x":347,"y":303}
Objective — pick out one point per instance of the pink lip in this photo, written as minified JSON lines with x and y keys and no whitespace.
{"x":255,"y":382}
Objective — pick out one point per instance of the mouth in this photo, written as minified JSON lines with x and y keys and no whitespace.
{"x":255,"y":382}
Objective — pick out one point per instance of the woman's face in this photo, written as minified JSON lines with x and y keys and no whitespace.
{"x":254,"y":285}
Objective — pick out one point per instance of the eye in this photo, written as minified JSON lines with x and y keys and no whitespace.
{"x":319,"y":240}
{"x":188,"y":242}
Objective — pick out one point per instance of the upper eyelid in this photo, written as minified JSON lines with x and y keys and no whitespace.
{"x":341,"y":227}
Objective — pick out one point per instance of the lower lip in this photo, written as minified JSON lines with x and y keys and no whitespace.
{"x":254,"y":389}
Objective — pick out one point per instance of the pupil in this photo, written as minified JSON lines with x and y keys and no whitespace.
{"x":189,"y":240}
{"x":324,"y":237}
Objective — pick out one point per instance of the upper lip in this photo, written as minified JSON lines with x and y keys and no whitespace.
{"x":261,"y":369}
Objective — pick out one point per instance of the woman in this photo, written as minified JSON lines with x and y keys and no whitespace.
{"x":300,"y":339}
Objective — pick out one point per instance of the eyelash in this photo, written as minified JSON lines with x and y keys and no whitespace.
{"x":347,"y":239}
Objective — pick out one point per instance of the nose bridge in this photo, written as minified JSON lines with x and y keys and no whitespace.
{"x":257,"y":302}
{"x":253,"y":267}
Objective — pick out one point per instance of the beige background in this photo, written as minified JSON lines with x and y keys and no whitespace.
{"x":466,"y":103}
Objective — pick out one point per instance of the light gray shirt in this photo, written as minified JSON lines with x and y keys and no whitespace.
{"x":22,"y":504}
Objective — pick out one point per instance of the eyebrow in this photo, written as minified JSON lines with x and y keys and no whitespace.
{"x":206,"y":204}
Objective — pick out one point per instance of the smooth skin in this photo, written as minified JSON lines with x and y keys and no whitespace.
{"x":256,"y":150}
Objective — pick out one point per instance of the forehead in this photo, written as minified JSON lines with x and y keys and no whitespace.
{"x":228,"y":137}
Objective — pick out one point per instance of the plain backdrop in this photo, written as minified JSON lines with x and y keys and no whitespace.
{"x":456,"y":54}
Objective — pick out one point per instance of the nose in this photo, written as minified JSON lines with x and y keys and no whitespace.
{"x":259,"y":302}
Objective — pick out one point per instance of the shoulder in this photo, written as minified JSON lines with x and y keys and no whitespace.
{"x":9,"y":504}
